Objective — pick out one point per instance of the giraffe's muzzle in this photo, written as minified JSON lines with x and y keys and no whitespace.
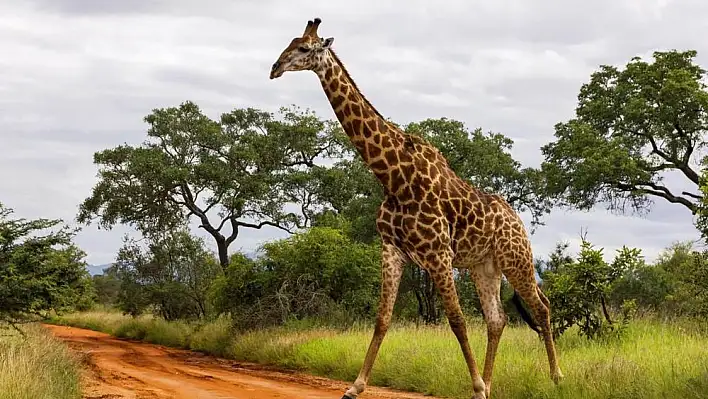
{"x":275,"y":71}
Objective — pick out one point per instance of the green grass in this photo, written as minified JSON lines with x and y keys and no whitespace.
{"x":37,"y":367}
{"x":653,"y":360}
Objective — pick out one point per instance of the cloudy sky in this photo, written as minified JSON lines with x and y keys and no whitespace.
{"x":78,"y":76}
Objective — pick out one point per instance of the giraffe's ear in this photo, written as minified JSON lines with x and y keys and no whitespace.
{"x":327,"y":43}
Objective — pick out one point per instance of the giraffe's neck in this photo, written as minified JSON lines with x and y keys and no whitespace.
{"x":376,"y":140}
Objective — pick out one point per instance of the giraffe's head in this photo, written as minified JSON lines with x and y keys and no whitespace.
{"x":303,"y":53}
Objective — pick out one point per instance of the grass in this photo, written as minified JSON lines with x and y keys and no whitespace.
{"x":653,"y":360}
{"x":37,"y":367}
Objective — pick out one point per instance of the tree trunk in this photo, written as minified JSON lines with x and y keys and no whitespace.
{"x":223,"y":252}
{"x":604,"y":309}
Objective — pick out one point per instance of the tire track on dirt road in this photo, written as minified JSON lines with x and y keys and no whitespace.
{"x":123,"y":369}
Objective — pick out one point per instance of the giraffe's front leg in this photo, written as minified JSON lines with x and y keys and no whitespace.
{"x":392,"y":260}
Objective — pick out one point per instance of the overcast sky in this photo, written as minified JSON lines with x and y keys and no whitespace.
{"x":78,"y":76}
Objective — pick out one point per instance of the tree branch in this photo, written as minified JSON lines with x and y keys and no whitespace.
{"x":193,"y":208}
{"x":696,"y":196}
{"x":659,"y":191}
{"x":689,"y":143}
{"x":263,"y":224}
{"x":680,"y":164}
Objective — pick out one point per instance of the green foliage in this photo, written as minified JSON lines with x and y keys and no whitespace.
{"x":234,"y":173}
{"x":351,"y":192}
{"x":324,"y":260}
{"x":40,"y":269}
{"x":632,"y":126}
{"x":689,"y":280}
{"x":578,"y":289}
{"x":316,"y":273}
{"x":173,"y":275}
{"x":647,"y":286}
{"x":107,"y":287}
{"x":241,"y":290}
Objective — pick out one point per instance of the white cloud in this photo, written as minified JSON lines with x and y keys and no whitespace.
{"x":77,"y":77}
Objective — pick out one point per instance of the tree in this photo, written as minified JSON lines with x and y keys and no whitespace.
{"x":650,"y":286}
{"x":40,"y":268}
{"x":350,"y":191}
{"x":326,"y":261}
{"x":173,"y":274}
{"x":107,"y":286}
{"x":688,"y":269}
{"x":316,"y":274}
{"x":235,"y":173}
{"x":632,"y":127}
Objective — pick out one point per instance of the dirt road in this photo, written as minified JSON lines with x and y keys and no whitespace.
{"x":121,"y":369}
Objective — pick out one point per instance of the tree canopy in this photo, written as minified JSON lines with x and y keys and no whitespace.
{"x":235,"y":173}
{"x":633,"y":127}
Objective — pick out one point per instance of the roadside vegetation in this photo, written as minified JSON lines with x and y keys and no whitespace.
{"x":36,"y":366}
{"x":652,"y":359}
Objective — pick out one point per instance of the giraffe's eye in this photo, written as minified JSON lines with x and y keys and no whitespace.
{"x":303,"y":49}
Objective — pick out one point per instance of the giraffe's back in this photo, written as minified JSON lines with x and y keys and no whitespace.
{"x":483,"y":223}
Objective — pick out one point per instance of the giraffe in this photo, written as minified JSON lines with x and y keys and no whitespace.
{"x":430,"y":216}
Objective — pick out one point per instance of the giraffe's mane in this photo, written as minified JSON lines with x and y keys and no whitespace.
{"x":349,"y":76}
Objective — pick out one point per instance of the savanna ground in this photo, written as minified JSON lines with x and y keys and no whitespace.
{"x":652,"y":360}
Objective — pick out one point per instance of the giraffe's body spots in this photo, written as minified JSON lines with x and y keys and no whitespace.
{"x":429,"y":216}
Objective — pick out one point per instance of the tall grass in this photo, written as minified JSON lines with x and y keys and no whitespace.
{"x":653,"y":359}
{"x":37,"y":367}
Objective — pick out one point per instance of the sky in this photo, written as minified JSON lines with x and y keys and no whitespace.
{"x":79,"y":76}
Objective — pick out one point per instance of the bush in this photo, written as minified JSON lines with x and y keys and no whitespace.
{"x":318,"y":274}
{"x":39,"y":270}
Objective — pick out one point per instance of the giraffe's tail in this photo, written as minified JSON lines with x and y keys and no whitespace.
{"x":525,"y":315}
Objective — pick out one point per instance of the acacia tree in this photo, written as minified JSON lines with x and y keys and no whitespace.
{"x":235,"y":173}
{"x":632,"y":127}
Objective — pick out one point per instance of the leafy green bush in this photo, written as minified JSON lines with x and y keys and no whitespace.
{"x":319,"y":273}
{"x":39,"y":270}
{"x":579,"y":289}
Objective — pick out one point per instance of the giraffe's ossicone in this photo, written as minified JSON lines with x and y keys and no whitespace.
{"x":430,"y":216}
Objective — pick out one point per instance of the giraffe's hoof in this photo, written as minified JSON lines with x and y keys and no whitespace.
{"x":557,"y":377}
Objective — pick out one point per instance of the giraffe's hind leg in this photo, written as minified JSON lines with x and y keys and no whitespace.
{"x":519,"y":271}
